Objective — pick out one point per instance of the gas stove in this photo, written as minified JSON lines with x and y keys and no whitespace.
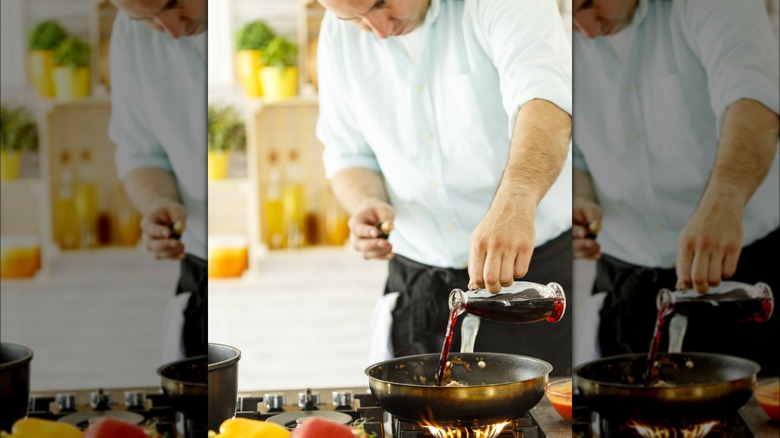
{"x":349,"y":405}
{"x":144,"y":406}
{"x":749,"y":421}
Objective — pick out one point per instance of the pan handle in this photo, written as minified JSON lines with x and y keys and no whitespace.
{"x":677,"y":327}
{"x":468,"y":333}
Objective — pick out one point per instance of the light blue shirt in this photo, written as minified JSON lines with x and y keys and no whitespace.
{"x":158,"y":99}
{"x":439,"y":130}
{"x":648,"y":130}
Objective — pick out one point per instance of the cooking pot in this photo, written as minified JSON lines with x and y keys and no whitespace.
{"x":691,"y":385}
{"x":223,"y":383}
{"x":185,"y":383}
{"x":504,"y":388}
{"x":14,"y":383}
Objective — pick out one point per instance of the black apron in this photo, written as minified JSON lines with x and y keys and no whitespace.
{"x":194,"y":278}
{"x":421,"y":311}
{"x":629,"y":310}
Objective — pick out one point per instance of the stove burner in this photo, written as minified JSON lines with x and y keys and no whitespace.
{"x":524,"y":426}
{"x":84,"y":419}
{"x":291,"y":420}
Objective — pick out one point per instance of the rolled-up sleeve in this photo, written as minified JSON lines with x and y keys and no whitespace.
{"x":337,"y":126}
{"x":529,"y":48}
{"x":129,"y":127}
{"x":740,"y":56}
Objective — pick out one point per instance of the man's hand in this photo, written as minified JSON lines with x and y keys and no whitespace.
{"x":585,"y":212}
{"x":709,"y":246}
{"x":365,"y":235}
{"x":156,"y":226}
{"x":501,"y":246}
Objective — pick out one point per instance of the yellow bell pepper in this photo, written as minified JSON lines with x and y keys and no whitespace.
{"x":248,"y":428}
{"x":38,"y":428}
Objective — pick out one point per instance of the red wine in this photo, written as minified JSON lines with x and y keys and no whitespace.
{"x":735,"y":306}
{"x":445,"y":349}
{"x":516,"y":307}
{"x":652,"y":354}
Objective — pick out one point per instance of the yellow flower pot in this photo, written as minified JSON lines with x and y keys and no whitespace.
{"x":10,"y":165}
{"x":41,"y":66}
{"x":279,"y":82}
{"x":218,"y":164}
{"x":247,"y":65}
{"x":70,"y":83}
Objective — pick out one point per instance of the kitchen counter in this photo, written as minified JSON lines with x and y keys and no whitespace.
{"x":93,"y":320}
{"x":301,"y":318}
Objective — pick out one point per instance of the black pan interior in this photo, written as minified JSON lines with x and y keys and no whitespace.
{"x":678,"y":369}
{"x":498,"y":369}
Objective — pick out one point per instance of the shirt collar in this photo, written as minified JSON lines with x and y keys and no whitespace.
{"x":433,"y":11}
{"x":641,"y":11}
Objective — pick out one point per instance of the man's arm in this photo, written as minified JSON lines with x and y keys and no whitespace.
{"x":154,"y":193}
{"x":710,"y":244}
{"x":362,"y":193}
{"x":502,"y":244}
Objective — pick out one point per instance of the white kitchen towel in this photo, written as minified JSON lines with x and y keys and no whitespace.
{"x":173,"y":327}
{"x":380,"y":334}
{"x":586,"y":330}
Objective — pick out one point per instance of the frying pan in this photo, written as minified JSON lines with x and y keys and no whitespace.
{"x":701,"y":385}
{"x":185,"y":382}
{"x":507,"y":387}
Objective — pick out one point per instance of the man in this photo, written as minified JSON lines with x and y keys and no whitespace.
{"x":676,"y":153}
{"x":452,"y":119}
{"x":158,"y":123}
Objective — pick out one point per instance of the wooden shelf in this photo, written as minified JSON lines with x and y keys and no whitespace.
{"x":280,"y":128}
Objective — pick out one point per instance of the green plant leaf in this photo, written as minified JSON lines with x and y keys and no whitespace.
{"x":73,"y":52}
{"x":47,"y":35}
{"x":280,"y":52}
{"x":226,"y":131}
{"x":254,"y":35}
{"x":19,"y":131}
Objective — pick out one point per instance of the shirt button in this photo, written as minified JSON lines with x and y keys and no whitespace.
{"x":420,"y":88}
{"x":450,"y":227}
{"x":659,"y":228}
{"x":642,"y":185}
{"x":426,"y":136}
{"x":626,"y":87}
{"x":434,"y":184}
{"x":634,"y":136}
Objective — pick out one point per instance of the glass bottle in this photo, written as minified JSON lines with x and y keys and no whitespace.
{"x":293,"y":201}
{"x":86,"y":201}
{"x":273,"y":207}
{"x":521,"y":302}
{"x":336,"y":224}
{"x":729,"y":302}
{"x":128,"y":220}
{"x":66,"y":223}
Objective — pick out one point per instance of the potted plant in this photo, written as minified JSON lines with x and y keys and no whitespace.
{"x":226,"y":133}
{"x":279,"y":75}
{"x":252,"y":38}
{"x":18,"y":133}
{"x":41,"y":43}
{"x":72,"y":74}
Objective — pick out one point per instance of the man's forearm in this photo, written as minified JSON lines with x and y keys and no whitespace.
{"x":583,"y":186}
{"x":747,"y":147}
{"x":356,"y":188}
{"x":150,"y":188}
{"x":539,"y":148}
